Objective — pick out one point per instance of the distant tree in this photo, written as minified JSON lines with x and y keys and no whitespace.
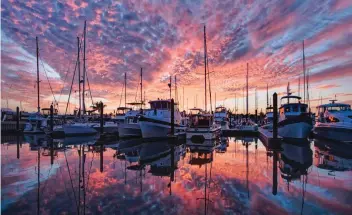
{"x":97,"y":106}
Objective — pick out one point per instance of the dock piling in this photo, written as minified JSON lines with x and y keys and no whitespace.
{"x":101,"y":118}
{"x":17,"y":119}
{"x":172,"y":117}
{"x":275,"y":116}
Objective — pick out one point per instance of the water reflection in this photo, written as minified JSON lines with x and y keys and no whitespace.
{"x":229,"y":175}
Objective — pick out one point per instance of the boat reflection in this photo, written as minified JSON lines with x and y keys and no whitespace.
{"x":332,"y":156}
{"x":295,"y":159}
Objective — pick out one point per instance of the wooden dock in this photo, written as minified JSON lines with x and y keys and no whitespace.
{"x":266,"y":136}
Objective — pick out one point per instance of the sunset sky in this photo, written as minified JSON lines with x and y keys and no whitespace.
{"x":166,"y":38}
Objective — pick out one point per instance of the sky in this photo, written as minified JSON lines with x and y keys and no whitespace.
{"x":166,"y":38}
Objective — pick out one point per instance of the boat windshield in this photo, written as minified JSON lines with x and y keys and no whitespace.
{"x":335,"y":108}
{"x":220,"y":110}
{"x":201,"y":120}
{"x":160,"y":105}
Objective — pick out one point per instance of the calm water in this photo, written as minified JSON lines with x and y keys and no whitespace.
{"x":236,"y":177}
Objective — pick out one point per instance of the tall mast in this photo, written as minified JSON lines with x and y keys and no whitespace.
{"x":304,"y":75}
{"x":84,"y":69}
{"x":205,"y":71}
{"x":141,"y":88}
{"x":36,"y":38}
{"x":215,"y":100}
{"x":247,"y":93}
{"x":267,"y":95}
{"x":170,"y":86}
{"x":79,"y":78}
{"x":176,"y":99}
{"x":125,"y":89}
{"x":183,"y":99}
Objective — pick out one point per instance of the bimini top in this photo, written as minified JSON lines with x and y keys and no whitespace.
{"x":220,"y":109}
{"x":334,"y":105}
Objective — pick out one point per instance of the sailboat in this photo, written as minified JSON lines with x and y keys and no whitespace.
{"x":80,"y":127}
{"x":36,"y":121}
{"x":130,"y":126}
{"x":202,"y":125}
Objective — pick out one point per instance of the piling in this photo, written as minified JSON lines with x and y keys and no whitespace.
{"x":172,"y":117}
{"x":17,"y":119}
{"x":51,"y":150}
{"x":230,"y":115}
{"x":275,"y":116}
{"x":256,"y":116}
{"x":101,"y":118}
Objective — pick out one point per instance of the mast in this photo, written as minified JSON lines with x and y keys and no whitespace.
{"x":84,"y":69}
{"x":304,"y":75}
{"x":247,"y":93}
{"x":183,"y":98}
{"x":79,"y":78}
{"x":215,"y":100}
{"x":205,"y":71}
{"x":141,"y":88}
{"x":176,"y":99}
{"x":170,"y":86}
{"x":36,"y":38}
{"x":125,"y":89}
{"x":267,"y":95}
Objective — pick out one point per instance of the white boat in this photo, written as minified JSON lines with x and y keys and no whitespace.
{"x":221,"y":117}
{"x":120,"y":115}
{"x":74,"y":129}
{"x":36,"y":124}
{"x":334,"y":122}
{"x":202,"y":126}
{"x":156,"y":121}
{"x":294,"y":120}
{"x":130,"y":127}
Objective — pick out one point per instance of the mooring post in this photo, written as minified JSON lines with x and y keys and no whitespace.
{"x":256,"y":116}
{"x":18,"y":119}
{"x":101,"y":118}
{"x":275,"y":116}
{"x":172,"y":117}
{"x":230,"y":120}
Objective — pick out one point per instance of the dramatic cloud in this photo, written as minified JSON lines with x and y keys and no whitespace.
{"x":166,"y":38}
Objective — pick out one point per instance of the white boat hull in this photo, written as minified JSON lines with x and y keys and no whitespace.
{"x":157,"y":130}
{"x":336,"y":132}
{"x":129,"y":130}
{"x":206,"y":134}
{"x":295,"y":130}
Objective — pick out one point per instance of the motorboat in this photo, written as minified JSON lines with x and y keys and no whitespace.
{"x":156,"y":121}
{"x":294,"y":119}
{"x":221,"y":117}
{"x":36,"y":124}
{"x":334,"y":122}
{"x":202,"y":127}
{"x":130,"y":127}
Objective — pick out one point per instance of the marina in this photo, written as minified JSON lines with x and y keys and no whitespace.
{"x":176,"y":107}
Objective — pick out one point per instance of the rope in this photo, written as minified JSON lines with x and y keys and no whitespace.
{"x":47,"y":78}
{"x":69,"y":95}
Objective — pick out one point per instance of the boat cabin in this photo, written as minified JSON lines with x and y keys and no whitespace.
{"x":333,"y":107}
{"x":161,"y":104}
{"x":201,"y":120}
{"x":333,"y":112}
{"x":220,"y":109}
{"x":295,"y":108}
{"x":121,"y":111}
{"x":194,"y":111}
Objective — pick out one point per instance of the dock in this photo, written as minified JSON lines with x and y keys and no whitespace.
{"x":8,"y":127}
{"x":266,"y":136}
{"x":239,"y":132}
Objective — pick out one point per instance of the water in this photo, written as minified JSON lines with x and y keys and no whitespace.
{"x":236,"y":177}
